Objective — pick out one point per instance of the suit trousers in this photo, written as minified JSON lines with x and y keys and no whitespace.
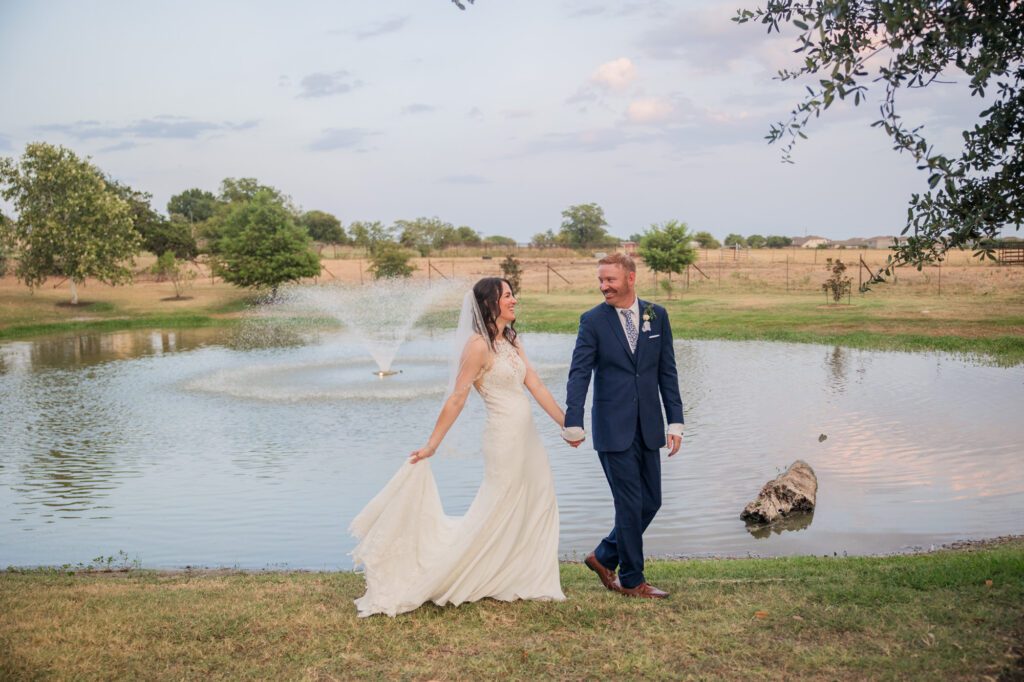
{"x":634,"y":476}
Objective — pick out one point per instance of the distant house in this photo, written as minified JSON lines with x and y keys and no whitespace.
{"x":811,"y":242}
{"x":884,"y":242}
{"x":629,"y":248}
{"x":855,"y":243}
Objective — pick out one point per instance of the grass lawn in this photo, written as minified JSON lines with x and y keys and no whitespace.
{"x":944,"y":615}
{"x":989,"y":327}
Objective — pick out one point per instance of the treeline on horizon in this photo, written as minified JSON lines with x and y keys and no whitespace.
{"x":76,"y":221}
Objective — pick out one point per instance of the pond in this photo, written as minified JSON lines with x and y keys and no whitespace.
{"x":183,"y":450}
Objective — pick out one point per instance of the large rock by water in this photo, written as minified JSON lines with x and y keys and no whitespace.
{"x":792,"y":491}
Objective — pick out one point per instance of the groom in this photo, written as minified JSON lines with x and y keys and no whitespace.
{"x":627,"y":344}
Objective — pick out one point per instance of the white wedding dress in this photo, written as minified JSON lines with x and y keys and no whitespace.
{"x":505,"y":547}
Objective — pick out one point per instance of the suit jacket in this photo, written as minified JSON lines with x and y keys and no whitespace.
{"x":627,"y":386}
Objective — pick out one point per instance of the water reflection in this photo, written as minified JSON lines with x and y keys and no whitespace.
{"x":182,"y":450}
{"x":796,"y":521}
{"x":836,"y":362}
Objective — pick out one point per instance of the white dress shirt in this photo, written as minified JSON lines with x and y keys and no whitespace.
{"x":576,"y":433}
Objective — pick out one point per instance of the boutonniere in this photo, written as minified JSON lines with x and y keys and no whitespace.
{"x":648,"y":316}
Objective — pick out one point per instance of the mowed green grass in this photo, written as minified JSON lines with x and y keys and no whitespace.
{"x":944,"y":615}
{"x":979,"y":326}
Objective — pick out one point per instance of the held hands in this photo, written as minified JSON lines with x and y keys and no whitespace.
{"x":574,"y":435}
{"x":422,"y":453}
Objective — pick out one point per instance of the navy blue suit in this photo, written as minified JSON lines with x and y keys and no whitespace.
{"x":626,"y":421}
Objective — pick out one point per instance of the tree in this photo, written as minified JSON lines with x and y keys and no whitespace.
{"x":158,"y":234}
{"x":262,"y":246}
{"x":233,"y":192}
{"x":706,"y":241}
{"x":5,"y":240}
{"x":735,"y":240}
{"x":169,"y":267}
{"x":666,"y":247}
{"x":389,"y":260}
{"x":545,"y":239}
{"x":774,"y":241}
{"x":246,"y":189}
{"x":511,"y":271}
{"x":837,"y":285}
{"x":323,"y":227}
{"x":425,"y":234}
{"x":756,"y":241}
{"x":583,"y":225}
{"x":195,"y":205}
{"x":467,"y":236}
{"x":368,"y":234}
{"x":970,"y":196}
{"x":498,"y":240}
{"x":69,"y":223}
{"x":173,"y":235}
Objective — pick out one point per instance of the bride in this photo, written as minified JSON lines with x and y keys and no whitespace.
{"x":506,"y":546}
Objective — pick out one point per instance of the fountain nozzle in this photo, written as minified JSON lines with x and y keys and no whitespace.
{"x":386,"y":372}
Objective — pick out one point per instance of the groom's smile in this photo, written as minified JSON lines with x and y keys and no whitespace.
{"x":616,"y":284}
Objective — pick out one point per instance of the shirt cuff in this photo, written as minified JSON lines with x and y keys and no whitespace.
{"x":573,"y":434}
{"x":675,"y":429}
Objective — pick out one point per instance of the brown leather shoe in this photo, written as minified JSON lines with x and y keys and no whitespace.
{"x":644,"y":590}
{"x":607,"y":576}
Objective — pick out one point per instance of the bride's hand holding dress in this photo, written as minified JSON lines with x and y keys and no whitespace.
{"x":474,"y":360}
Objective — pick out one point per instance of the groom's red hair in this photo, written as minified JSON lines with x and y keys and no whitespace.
{"x":622,"y":259}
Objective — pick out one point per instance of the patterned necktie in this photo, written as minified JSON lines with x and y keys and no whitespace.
{"x":631,"y":333}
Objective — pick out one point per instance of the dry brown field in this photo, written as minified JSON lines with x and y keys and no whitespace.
{"x":747,"y":272}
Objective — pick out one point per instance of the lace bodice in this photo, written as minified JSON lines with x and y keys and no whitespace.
{"x":506,"y":375}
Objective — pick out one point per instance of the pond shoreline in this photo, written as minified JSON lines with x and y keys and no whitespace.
{"x":1003,"y":350}
{"x":960,"y":546}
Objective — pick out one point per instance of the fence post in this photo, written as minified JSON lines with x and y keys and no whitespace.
{"x":787,"y":272}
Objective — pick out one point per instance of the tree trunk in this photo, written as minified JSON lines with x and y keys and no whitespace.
{"x":74,"y":292}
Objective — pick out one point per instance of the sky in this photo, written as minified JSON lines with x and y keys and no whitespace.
{"x":498,"y":117}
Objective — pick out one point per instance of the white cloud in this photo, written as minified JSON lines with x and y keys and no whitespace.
{"x":158,"y":127}
{"x":615,"y":75}
{"x":326,"y":84}
{"x":651,"y":110}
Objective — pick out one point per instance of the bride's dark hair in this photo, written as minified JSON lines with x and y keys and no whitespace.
{"x":488,"y":292}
